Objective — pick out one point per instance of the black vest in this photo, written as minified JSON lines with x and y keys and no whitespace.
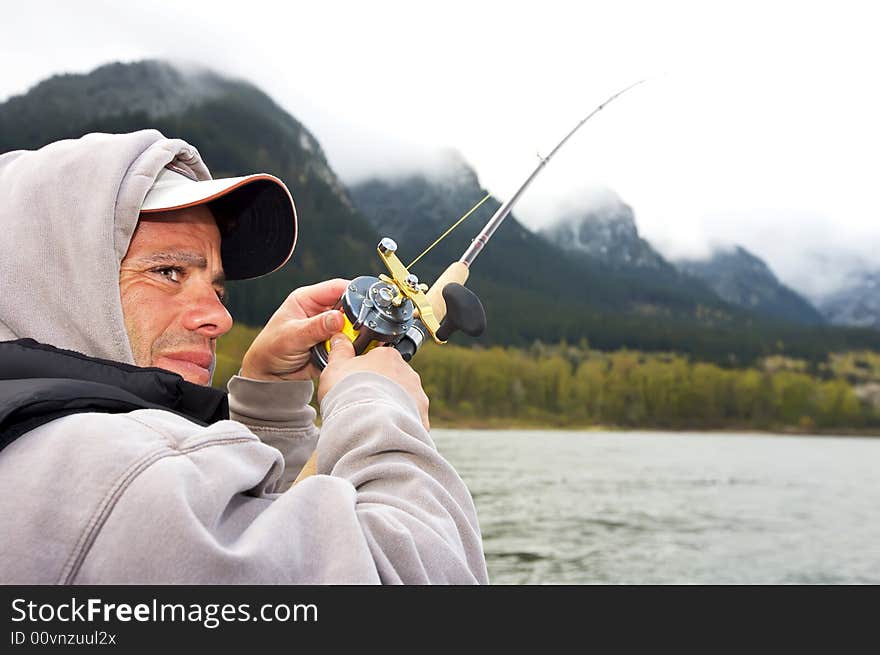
{"x":39,"y":383}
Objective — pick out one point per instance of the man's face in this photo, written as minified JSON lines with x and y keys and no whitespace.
{"x":171,"y":285}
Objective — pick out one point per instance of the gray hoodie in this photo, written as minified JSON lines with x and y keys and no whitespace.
{"x":151,"y":497}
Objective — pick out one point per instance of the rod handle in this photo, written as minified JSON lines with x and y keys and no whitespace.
{"x":309,"y":469}
{"x":456,"y":272}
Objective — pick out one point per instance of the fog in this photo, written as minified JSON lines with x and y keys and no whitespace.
{"x":757,"y":126}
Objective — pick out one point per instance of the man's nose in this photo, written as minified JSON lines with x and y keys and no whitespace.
{"x":206,"y":314}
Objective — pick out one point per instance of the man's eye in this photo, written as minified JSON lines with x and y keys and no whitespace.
{"x":170,"y":272}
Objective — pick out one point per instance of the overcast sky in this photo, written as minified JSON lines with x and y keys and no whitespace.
{"x":759,"y":125}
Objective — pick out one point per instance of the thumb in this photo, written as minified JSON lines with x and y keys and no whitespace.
{"x":323,"y":326}
{"x":341,"y":349}
{"x":304,"y":333}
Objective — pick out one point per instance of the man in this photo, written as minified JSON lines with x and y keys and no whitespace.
{"x":118,"y":463}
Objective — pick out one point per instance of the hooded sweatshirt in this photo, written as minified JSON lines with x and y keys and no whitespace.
{"x":153,"y":496}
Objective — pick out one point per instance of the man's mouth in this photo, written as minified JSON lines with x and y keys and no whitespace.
{"x":194,"y":366}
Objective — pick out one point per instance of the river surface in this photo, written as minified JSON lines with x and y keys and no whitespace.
{"x":672,"y":508}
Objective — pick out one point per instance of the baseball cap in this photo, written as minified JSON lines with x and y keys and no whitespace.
{"x":255,"y":213}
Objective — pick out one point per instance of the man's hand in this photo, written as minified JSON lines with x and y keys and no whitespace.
{"x":281,"y":349}
{"x":384,"y":361}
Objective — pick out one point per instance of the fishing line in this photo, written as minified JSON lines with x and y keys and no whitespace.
{"x":446,"y":233}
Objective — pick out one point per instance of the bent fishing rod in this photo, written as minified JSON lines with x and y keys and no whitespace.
{"x":398,"y":311}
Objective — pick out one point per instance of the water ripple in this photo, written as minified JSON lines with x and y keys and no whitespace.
{"x":570,"y":508}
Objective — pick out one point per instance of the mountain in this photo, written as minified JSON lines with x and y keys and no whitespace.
{"x":742,"y":279}
{"x":607,"y":233}
{"x":237,"y":128}
{"x":857,"y":303}
{"x":532,"y":289}
{"x":521,"y":267}
{"x":63,"y":104}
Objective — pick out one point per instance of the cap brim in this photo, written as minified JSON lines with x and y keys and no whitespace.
{"x":255,"y":213}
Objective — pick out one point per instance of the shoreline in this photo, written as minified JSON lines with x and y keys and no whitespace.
{"x":491,"y":424}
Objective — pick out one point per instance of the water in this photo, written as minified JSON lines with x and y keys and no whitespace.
{"x":670,"y":508}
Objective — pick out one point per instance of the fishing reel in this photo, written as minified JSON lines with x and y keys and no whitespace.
{"x":397,"y":311}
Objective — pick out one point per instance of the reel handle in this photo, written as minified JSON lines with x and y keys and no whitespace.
{"x":464,"y":312}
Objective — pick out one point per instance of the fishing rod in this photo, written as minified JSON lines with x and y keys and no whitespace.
{"x":398,"y":311}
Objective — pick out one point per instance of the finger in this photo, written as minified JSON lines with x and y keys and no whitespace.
{"x":318,"y":297}
{"x":302,"y":334}
{"x":323,"y":326}
{"x":341,"y":349}
{"x":386,"y":353}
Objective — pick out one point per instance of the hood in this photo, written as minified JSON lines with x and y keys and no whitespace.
{"x":67,"y":215}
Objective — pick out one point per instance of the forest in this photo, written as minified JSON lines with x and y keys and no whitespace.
{"x":575,"y":386}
